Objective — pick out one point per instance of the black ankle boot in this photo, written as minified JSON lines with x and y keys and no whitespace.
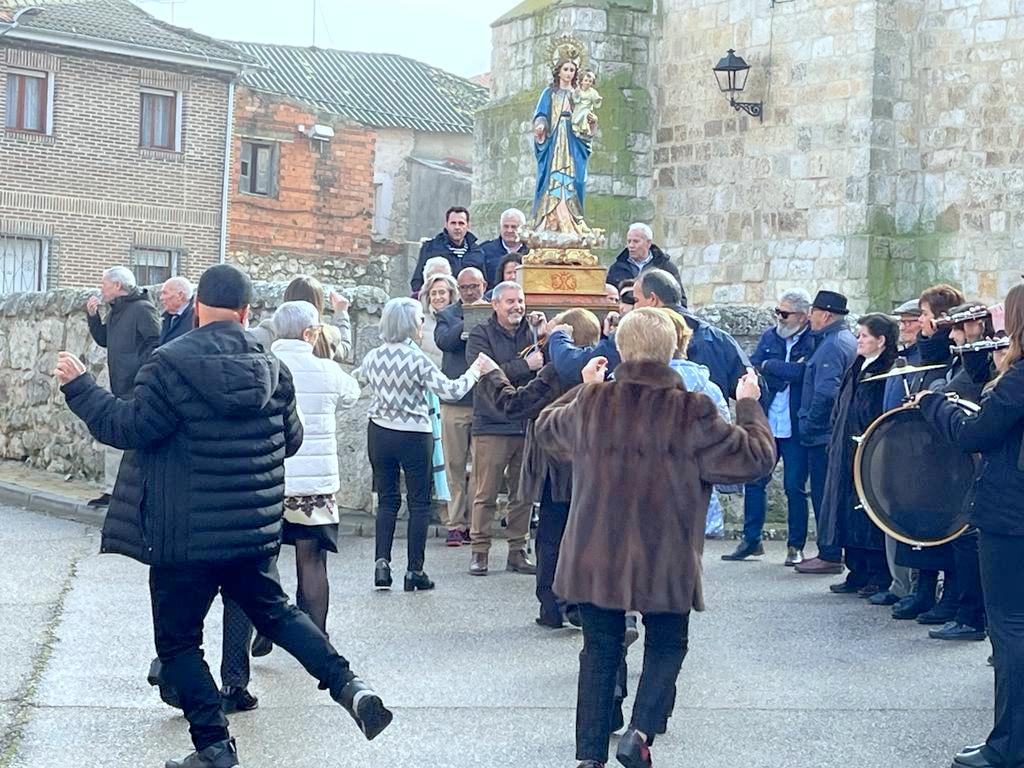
{"x":924,"y":597}
{"x":633,"y":751}
{"x":382,"y":575}
{"x":168,"y":695}
{"x":365,"y":707}
{"x":417,"y":580}
{"x":220,"y":755}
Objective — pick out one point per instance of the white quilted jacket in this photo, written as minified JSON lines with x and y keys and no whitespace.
{"x":321,"y":388}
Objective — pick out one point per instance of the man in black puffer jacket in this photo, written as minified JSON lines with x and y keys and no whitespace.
{"x":199,"y":499}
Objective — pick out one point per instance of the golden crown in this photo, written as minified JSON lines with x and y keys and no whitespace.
{"x":568,"y":47}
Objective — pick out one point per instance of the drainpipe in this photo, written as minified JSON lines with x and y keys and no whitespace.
{"x":228,"y":143}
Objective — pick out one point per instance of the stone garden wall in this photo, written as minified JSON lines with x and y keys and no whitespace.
{"x":37,"y":428}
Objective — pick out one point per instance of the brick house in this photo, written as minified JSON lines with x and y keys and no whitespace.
{"x":113,"y":143}
{"x":339,"y":156}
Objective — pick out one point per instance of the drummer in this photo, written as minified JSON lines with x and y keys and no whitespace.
{"x":997,"y":432}
{"x":908,"y":316}
{"x":843,"y":521}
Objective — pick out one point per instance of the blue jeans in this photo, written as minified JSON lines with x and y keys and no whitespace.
{"x":795,"y":471}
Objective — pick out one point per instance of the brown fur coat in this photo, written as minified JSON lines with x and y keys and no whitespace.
{"x":645,"y":454}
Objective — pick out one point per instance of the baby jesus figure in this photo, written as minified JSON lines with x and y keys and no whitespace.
{"x":586,"y":100}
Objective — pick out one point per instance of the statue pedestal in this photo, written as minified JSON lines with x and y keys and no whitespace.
{"x":547,"y":281}
{"x":552,"y":288}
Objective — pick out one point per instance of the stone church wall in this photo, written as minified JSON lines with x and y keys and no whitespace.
{"x":891,"y":154}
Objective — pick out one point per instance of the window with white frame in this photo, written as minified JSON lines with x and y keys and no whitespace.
{"x":160,"y":120}
{"x":258,"y":169}
{"x":153,"y":266}
{"x":29,"y":101}
{"x":22,"y":264}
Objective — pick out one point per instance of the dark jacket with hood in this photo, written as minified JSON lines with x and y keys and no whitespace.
{"x":441,"y":245}
{"x":206,"y":433}
{"x":504,"y":348}
{"x":624,"y":269}
{"x":130,"y":335}
{"x":996,"y":433}
{"x":823,"y":375}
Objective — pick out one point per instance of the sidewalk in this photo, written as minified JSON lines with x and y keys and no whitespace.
{"x":50,"y":494}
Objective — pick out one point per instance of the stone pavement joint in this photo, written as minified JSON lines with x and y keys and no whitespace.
{"x":12,"y":735}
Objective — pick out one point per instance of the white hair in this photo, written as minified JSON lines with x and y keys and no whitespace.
{"x":428,"y":284}
{"x":500,"y":288}
{"x":400,"y":319}
{"x":182,"y":284}
{"x":293,"y":318}
{"x":643,"y":229}
{"x":436,"y":265}
{"x":798,"y":298}
{"x":513,"y":213}
{"x":122,"y":275}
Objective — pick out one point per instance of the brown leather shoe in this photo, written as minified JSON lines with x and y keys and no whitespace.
{"x":478,"y":564}
{"x":518,"y":562}
{"x":818,"y":567}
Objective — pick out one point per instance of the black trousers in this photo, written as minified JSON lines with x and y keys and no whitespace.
{"x":1003,"y":587}
{"x":867,"y":566}
{"x":393,"y":452}
{"x":665,"y":646}
{"x":181,"y":596}
{"x":550,"y":528}
{"x":971,"y":608}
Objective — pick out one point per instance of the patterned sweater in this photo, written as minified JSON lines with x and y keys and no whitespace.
{"x":399,"y":376}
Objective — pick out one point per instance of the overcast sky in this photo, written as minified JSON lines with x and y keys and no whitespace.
{"x":452,"y":34}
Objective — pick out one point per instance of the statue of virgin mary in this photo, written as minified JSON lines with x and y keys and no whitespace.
{"x":562,"y":155}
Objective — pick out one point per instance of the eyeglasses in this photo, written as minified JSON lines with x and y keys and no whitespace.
{"x":470,"y":286}
{"x":909,"y":321}
{"x":784,"y":314}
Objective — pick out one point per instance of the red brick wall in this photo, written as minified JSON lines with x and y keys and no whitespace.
{"x":323,"y":209}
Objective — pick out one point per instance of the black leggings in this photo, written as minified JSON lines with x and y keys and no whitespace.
{"x":393,"y":452}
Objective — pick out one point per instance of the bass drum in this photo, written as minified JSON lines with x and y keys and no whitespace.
{"x":912,"y":483}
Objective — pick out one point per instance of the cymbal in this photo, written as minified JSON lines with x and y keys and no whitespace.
{"x":904,"y":370}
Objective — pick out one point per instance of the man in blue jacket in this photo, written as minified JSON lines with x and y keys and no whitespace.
{"x":179,"y":311}
{"x":823,"y":376}
{"x":491,"y":252}
{"x":780,"y":357}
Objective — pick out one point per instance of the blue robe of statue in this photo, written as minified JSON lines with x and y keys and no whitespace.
{"x":561,"y":165}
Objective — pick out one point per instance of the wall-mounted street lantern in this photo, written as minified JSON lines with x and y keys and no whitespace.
{"x":731,"y":73}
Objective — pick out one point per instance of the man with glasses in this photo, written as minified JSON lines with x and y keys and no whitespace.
{"x":457,"y":418}
{"x":780,"y":357}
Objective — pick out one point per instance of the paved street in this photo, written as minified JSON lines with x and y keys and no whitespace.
{"x":781,"y":673}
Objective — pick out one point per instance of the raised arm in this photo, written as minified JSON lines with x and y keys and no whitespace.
{"x":1000,"y":413}
{"x":734,"y":453}
{"x":146,"y":418}
{"x":446,"y":389}
{"x":524,"y":402}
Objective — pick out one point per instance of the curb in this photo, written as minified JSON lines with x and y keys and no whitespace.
{"x":50,"y":504}
{"x":67,"y":508}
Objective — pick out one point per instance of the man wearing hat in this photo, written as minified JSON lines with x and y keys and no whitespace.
{"x":835,"y":352}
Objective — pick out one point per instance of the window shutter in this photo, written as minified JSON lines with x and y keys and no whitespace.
{"x":245,"y":170}
{"x":262,"y":171}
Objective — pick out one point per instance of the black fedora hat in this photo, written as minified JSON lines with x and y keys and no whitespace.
{"x":831,"y":301}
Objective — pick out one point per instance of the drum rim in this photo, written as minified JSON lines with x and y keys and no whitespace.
{"x":859,"y":484}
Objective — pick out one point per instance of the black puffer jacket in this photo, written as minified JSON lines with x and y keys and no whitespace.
{"x":207,"y":430}
{"x":131,"y":333}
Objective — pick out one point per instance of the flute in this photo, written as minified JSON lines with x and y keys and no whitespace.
{"x":984,"y":345}
{"x":974,"y":313}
